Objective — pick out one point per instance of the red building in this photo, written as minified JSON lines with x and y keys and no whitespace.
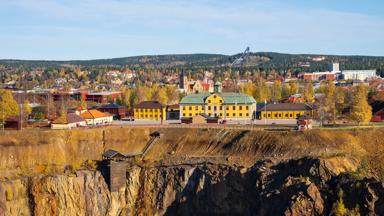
{"x":100,"y":97}
{"x":318,"y":76}
{"x":116,"y":110}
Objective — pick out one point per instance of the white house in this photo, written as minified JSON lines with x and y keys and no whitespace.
{"x":67,"y":122}
{"x":95,"y":117}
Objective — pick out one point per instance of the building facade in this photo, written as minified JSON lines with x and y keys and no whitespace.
{"x":173,"y":112}
{"x":116,"y":110}
{"x":286,"y":111}
{"x":358,"y":74}
{"x":95,"y":117}
{"x":221,"y":105}
{"x":150,"y":110}
{"x":67,"y":122}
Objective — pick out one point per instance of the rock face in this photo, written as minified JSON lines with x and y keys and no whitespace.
{"x":305,"y":186}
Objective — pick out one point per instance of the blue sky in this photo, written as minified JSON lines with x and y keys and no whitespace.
{"x":90,"y":29}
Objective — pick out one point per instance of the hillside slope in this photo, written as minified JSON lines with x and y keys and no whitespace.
{"x":279,"y":61}
{"x":194,"y":172}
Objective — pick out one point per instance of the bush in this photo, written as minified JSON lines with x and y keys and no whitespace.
{"x":338,"y":208}
{"x":90,"y":164}
{"x":8,"y":195}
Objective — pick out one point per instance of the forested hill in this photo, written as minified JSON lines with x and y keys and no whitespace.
{"x":280,"y":61}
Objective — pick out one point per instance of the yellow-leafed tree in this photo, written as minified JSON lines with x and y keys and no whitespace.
{"x":160,"y":95}
{"x":27,"y":109}
{"x":8,"y":105}
{"x":361,"y":111}
{"x":276,"y":91}
{"x":309,"y":93}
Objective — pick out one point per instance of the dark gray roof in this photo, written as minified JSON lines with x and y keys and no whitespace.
{"x":111,"y":106}
{"x":208,"y":117}
{"x":112,"y":153}
{"x":149,"y":105}
{"x":288,"y":107}
{"x":73,"y":118}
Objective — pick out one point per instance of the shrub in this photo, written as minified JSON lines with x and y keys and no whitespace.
{"x":338,"y":208}
{"x":90,"y":164}
{"x":8,"y":195}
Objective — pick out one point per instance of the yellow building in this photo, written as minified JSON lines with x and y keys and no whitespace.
{"x":222,"y":105}
{"x":150,"y":110}
{"x":286,"y":111}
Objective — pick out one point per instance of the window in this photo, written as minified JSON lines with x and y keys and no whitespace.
{"x":227,"y":108}
{"x":221,"y":114}
{"x":221,"y":101}
{"x":190,"y":114}
{"x":279,"y":115}
{"x":269,"y":115}
{"x":190,"y":108}
{"x":240,"y":107}
{"x":209,"y":101}
{"x":247,"y":107}
{"x":290,"y":115}
{"x":196,"y":108}
{"x":241,"y":114}
{"x":184,"y":108}
{"x":209,"y":108}
{"x":214,"y":96}
{"x":275,"y":115}
{"x":234,"y":107}
{"x":286,"y":115}
{"x":247,"y":114}
{"x":221,"y":108}
{"x":233,"y":114}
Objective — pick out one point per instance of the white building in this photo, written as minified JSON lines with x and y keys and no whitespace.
{"x":95,"y":117}
{"x":67,"y":122}
{"x":358,"y":74}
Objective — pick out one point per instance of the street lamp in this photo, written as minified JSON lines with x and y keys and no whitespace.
{"x":265,"y":111}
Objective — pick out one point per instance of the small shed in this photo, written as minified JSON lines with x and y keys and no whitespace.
{"x":111,"y":154}
{"x":204,"y":119}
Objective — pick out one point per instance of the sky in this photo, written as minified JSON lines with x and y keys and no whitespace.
{"x":94,"y":29}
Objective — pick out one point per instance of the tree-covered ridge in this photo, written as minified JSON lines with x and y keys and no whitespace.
{"x":266,"y":60}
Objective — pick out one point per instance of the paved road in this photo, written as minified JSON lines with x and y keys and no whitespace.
{"x":229,"y":122}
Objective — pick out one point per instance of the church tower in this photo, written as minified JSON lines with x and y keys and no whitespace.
{"x":182,"y":80}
